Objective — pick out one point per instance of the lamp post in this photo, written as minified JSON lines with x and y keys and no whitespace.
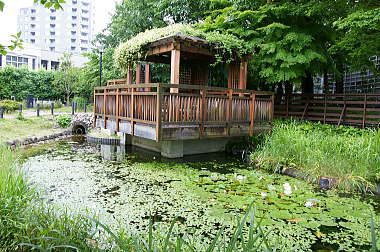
{"x":101,"y":49}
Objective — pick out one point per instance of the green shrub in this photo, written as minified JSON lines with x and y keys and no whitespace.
{"x":9,"y":105}
{"x":64,"y":121}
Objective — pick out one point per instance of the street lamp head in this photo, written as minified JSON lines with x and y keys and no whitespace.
{"x":100,"y":47}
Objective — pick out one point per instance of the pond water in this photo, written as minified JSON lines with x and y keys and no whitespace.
{"x":129,"y":187}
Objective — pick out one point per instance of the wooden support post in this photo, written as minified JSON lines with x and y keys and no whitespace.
{"x":287,"y":106}
{"x":272,"y":108}
{"x":158,"y":114}
{"x":243,"y":74}
{"x":38,"y":109}
{"x":130,"y":74}
{"x":365,"y":111}
{"x":138,"y":73}
{"x":147,"y":76}
{"x":230,"y":75}
{"x":174,"y":69}
{"x":51,"y":108}
{"x":117,"y":110}
{"x":252,"y":114}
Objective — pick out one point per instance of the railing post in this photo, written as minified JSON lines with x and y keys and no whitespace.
{"x":94,"y":109}
{"x":117,"y":110}
{"x":132,"y":113}
{"x":104,"y":108}
{"x":365,"y":111}
{"x":158,"y":113}
{"x":325,"y":110}
{"x":20,"y":108}
{"x":38,"y":109}
{"x":229,"y":111}
{"x":52,"y":108}
{"x":202,"y":112}
{"x":252,"y":114}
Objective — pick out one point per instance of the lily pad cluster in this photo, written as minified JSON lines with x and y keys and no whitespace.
{"x":133,"y":50}
{"x":204,"y":197}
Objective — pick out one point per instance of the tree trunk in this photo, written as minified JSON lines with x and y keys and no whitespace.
{"x":307,"y":85}
{"x":279,"y":93}
{"x":339,"y":84}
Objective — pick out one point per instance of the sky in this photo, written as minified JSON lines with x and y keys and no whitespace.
{"x":8,"y":18}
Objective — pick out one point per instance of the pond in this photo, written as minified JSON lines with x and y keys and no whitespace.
{"x":129,"y":187}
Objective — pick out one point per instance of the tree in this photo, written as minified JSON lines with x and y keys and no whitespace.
{"x":67,"y":78}
{"x":16,"y":42}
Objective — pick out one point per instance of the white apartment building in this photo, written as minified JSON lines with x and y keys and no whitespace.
{"x":49,"y":33}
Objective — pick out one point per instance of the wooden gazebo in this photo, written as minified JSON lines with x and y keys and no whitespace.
{"x":187,"y":115}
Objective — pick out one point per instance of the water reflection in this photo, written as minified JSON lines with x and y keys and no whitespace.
{"x":113,"y":152}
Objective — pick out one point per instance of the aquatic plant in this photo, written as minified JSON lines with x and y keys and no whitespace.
{"x":349,"y":154}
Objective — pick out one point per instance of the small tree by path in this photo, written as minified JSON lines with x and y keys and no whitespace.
{"x":67,"y":79}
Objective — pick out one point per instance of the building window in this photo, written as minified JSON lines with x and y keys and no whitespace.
{"x":84,"y":11}
{"x":52,"y":48}
{"x":74,"y":9}
{"x":83,"y":49}
{"x":33,"y":11}
{"x":44,"y":64}
{"x":84,"y":19}
{"x":33,"y":26}
{"x":85,"y":3}
{"x":74,"y":17}
{"x":54,"y":65}
{"x":16,"y":61}
{"x":52,"y":25}
{"x":52,"y":17}
{"x":52,"y":33}
{"x":32,"y":33}
{"x":52,"y":10}
{"x":84,"y":33}
{"x":73,"y":32}
{"x":73,"y":48}
{"x":33,"y":41}
{"x":33,"y":18}
{"x":73,"y":40}
{"x":34,"y":64}
{"x":52,"y":40}
{"x":73,"y":25}
{"x":75,"y":2}
{"x":84,"y":41}
{"x":85,"y":26}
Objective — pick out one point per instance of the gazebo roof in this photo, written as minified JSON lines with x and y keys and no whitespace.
{"x":155,"y":46}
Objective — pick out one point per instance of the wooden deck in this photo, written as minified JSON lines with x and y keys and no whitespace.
{"x":196,"y":112}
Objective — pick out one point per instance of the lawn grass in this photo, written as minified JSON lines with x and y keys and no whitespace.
{"x":11,"y":129}
{"x":352,"y":155}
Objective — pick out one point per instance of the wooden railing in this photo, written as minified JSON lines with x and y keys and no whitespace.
{"x":195,"y":106}
{"x":360,"y":110}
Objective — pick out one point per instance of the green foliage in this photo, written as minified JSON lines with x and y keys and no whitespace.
{"x":67,"y":79}
{"x":361,"y":39}
{"x":64,"y":121}
{"x":19,"y":82}
{"x":9,"y":105}
{"x":350,"y":154}
{"x":133,"y":49}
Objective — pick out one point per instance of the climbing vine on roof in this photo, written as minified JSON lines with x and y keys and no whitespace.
{"x":226,"y":45}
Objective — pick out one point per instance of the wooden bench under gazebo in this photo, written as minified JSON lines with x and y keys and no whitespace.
{"x":190,"y":114}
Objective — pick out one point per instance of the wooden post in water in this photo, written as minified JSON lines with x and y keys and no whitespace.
{"x":38,"y":109}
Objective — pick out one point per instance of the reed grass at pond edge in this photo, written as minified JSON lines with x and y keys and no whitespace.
{"x":349,"y":154}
